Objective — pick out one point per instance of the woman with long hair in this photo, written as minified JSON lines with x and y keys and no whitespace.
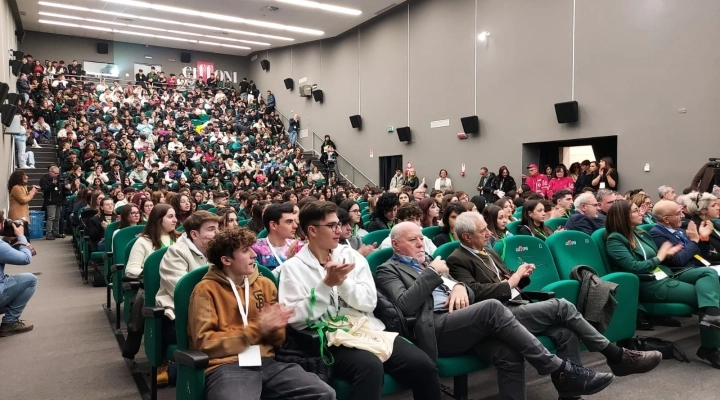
{"x":497,"y":221}
{"x":607,"y":175}
{"x":503,"y":183}
{"x":385,"y":212}
{"x":20,"y":197}
{"x":182,"y":206}
{"x":356,"y":223}
{"x":507,"y":204}
{"x":533,"y":220}
{"x":645,"y":204}
{"x":159,"y":232}
{"x":430,"y":211}
{"x":129,"y":216}
{"x":447,"y":234}
{"x":146,"y":206}
{"x":256,"y":222}
{"x":229,"y":218}
{"x":97,"y":224}
{"x":561,"y":180}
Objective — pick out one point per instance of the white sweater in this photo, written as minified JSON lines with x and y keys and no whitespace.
{"x":141,"y":250}
{"x":301,"y":284}
{"x":180,"y":258}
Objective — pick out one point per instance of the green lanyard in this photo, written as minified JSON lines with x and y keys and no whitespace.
{"x":355,"y":230}
{"x":544,"y":236}
{"x":452,"y":238}
{"x":172,"y":242}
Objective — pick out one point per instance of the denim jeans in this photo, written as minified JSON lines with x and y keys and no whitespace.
{"x":27,"y":159}
{"x":20,"y":150}
{"x":15,"y":296}
{"x":293,"y":137}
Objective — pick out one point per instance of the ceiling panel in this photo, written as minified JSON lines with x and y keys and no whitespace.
{"x":227,"y":22}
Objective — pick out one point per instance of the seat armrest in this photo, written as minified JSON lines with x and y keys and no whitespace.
{"x":153,"y":312}
{"x":108,"y":254}
{"x":646,"y":277}
{"x":305,"y":338}
{"x":540,"y":296}
{"x":132,"y":285}
{"x":192,"y":358}
{"x":117,"y":267}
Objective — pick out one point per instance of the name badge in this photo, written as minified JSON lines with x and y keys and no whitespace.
{"x":250,"y":357}
{"x":514,"y":293}
{"x":702,"y":260}
{"x":659,"y":274}
{"x":602,"y":185}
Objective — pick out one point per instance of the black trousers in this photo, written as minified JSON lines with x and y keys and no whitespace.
{"x":408,"y":364}
{"x":169,"y":336}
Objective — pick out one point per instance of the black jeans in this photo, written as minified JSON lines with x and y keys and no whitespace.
{"x":169,"y":336}
{"x":408,"y":364}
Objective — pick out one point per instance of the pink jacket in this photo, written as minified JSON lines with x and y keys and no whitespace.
{"x":538,"y":183}
{"x":556,"y":184}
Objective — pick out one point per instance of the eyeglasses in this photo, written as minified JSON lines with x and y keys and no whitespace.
{"x":334,"y":226}
{"x":355,"y":211}
{"x":592,"y":204}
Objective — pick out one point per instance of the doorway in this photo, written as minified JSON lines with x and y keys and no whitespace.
{"x":567,"y":152}
{"x":388,"y":166}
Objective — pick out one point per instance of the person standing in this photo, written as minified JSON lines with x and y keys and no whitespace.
{"x":293,"y":127}
{"x":487,"y":179}
{"x":53,"y":198}
{"x":20,"y":197}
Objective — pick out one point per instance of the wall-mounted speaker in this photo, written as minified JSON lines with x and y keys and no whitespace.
{"x":404,"y":134}
{"x":15,"y":67}
{"x":265,"y":65}
{"x":16,"y":100}
{"x":7,"y":114}
{"x":471,"y":124}
{"x":567,"y":112}
{"x":4,"y":89}
{"x":102,"y":48}
{"x":185,"y":57}
{"x":20,"y":35}
{"x":318,"y":95}
{"x":356,"y":121}
{"x":289,"y":83}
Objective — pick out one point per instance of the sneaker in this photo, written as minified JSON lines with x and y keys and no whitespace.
{"x":636,"y":362}
{"x":36,"y":146}
{"x":575,"y":380}
{"x":163,"y":376}
{"x":49,"y":237}
{"x":58,"y":236}
{"x":14,"y":328}
{"x":30,"y":167}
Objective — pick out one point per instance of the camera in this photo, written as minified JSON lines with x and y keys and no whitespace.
{"x":714,"y":162}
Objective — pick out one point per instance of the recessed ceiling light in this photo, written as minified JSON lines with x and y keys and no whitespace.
{"x":321,"y":6}
{"x":162,"y":21}
{"x":221,"y":17}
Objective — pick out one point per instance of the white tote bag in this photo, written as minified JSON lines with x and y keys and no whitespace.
{"x":358,"y":334}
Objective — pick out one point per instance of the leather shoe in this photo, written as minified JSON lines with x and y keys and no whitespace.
{"x":636,"y":362}
{"x":712,"y":321}
{"x":575,"y":380}
{"x":710,"y":355}
{"x":665,"y":321}
{"x":643,"y":325}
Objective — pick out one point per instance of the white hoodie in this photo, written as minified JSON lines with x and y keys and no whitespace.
{"x":301,"y":285}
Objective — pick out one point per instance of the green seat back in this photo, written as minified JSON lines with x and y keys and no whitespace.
{"x":513,"y":226}
{"x":118,"y":209}
{"x":180,"y":229}
{"x":376,"y":236}
{"x":153,"y":326}
{"x":645,"y":227}
{"x":264,"y":271}
{"x":599,"y":238}
{"x":445,"y":250}
{"x":263,"y":234}
{"x":365,"y":219}
{"x":109,"y":230}
{"x":431,"y":231}
{"x":151,"y":274}
{"x":183,"y":290}
{"x":243,"y":222}
{"x":121,"y":241}
{"x":514,"y":250}
{"x":573,"y":248}
{"x":205,"y":206}
{"x":554,"y":223}
{"x":378,"y":257}
{"x":213,"y":210}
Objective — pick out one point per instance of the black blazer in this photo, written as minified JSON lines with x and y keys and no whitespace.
{"x":713,"y":248}
{"x":465,"y":267}
{"x":581,"y":222}
{"x":685,"y":257}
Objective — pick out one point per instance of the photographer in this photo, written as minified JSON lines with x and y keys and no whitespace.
{"x":706,"y":180}
{"x":54,"y":189}
{"x":15,"y":290}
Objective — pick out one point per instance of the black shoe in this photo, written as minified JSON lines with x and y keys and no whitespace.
{"x":58,"y":236}
{"x":575,"y":380}
{"x":49,"y":237}
{"x":643,"y":325}
{"x":710,"y":355}
{"x":712,"y":321}
{"x":664,"y":321}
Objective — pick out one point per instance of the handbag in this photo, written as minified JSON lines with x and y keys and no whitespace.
{"x":358,"y":334}
{"x":667,"y":348}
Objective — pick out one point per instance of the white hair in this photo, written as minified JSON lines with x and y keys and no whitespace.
{"x":399,"y":229}
{"x":582,"y":199}
{"x":696,"y":202}
{"x":662,"y":190}
{"x":465,"y":223}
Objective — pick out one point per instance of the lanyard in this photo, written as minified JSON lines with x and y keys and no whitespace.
{"x":497,"y":271}
{"x":246,"y":289}
{"x":641,"y":247}
{"x":274,"y":253}
{"x":452,"y":238}
{"x":333,"y":293}
{"x":355,"y":230}
{"x":164,"y":245}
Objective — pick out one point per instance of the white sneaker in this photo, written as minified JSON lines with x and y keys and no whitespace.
{"x":36,"y":146}
{"x":30,"y":166}
{"x":23,"y":166}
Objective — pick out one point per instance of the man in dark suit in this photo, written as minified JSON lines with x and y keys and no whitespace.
{"x":605,"y":198}
{"x":484,"y":186}
{"x":447,"y":324}
{"x":116,"y":175}
{"x":669,"y":217}
{"x":584,"y":219}
{"x":484,"y":272}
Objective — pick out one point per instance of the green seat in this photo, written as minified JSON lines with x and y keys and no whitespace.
{"x":263,"y":234}
{"x":431,"y":231}
{"x":117,"y":269}
{"x":573,"y":248}
{"x":138,"y":186}
{"x":205,"y":206}
{"x":513,"y":227}
{"x":377,"y":257}
{"x":243,"y":222}
{"x":645,"y":227}
{"x":365,"y":219}
{"x":376,"y":236}
{"x":128,"y":292}
{"x":154,"y":316}
{"x":213,"y":210}
{"x":515,"y":250}
{"x":180,"y":229}
{"x":554,"y":223}
{"x":60,"y":124}
{"x":190,"y":376}
{"x":658,"y":309}
{"x":445,"y":250}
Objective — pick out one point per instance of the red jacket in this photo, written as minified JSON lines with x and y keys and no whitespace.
{"x":538,"y":183}
{"x":556,"y":184}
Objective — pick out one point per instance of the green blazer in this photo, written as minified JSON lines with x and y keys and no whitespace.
{"x":626,"y":259}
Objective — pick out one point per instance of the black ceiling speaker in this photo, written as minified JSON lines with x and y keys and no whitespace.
{"x":8,"y":112}
{"x":318,"y":95}
{"x":20,"y":35}
{"x":102,"y":48}
{"x":567,"y":112}
{"x":15,"y":67}
{"x":404,"y":134}
{"x":265,"y":64}
{"x":356,"y":121}
{"x":289,"y":83}
{"x":4,"y":88}
{"x":17,"y":54}
{"x":16,"y":99}
{"x":185,"y":57}
{"x":471,"y":124}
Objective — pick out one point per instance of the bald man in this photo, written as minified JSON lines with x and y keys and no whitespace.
{"x":695,"y":239}
{"x":448,"y":324}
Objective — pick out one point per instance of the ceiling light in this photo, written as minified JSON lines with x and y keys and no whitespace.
{"x":483,"y":36}
{"x":221,"y":17}
{"x":321,"y":6}
{"x":97,"y":28}
{"x":162,"y":21}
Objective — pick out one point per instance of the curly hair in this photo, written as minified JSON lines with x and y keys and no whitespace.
{"x":16,"y":178}
{"x":226,"y":242}
{"x":385,"y":203}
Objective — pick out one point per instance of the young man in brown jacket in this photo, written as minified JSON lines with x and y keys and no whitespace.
{"x":235,"y":319}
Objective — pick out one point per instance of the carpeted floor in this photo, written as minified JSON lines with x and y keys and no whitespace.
{"x":72,"y":353}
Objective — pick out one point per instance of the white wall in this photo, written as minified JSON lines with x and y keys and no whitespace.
{"x":7,"y":42}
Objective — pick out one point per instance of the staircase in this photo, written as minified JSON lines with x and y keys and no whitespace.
{"x":45,"y":156}
{"x":320,"y":166}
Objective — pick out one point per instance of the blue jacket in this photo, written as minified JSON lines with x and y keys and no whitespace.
{"x":10,"y":255}
{"x":581,"y":222}
{"x":685,"y":257}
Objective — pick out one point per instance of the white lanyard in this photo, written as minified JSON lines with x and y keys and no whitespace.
{"x":497,"y":271}
{"x":641,"y":247}
{"x":274,"y":253}
{"x":243,"y":312}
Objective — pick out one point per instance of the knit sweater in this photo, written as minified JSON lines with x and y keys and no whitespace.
{"x":141,"y":250}
{"x":180,"y":258}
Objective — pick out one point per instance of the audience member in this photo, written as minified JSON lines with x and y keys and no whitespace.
{"x":497,"y":220}
{"x":665,"y":192}
{"x":280,"y":222}
{"x":537,"y":182}
{"x":159,"y":232}
{"x":15,"y":290}
{"x":694,"y":241}
{"x":384,"y":215}
{"x":532,"y":222}
{"x":485,"y":186}
{"x":447,"y":233}
{"x":584,"y":218}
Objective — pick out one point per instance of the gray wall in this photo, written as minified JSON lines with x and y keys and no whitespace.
{"x":636,"y":64}
{"x":44,"y":46}
{"x":7,"y":42}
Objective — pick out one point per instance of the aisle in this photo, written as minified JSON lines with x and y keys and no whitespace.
{"x":71,"y":353}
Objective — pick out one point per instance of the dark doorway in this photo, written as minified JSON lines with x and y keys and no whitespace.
{"x":388,"y":166}
{"x":555,"y":153}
